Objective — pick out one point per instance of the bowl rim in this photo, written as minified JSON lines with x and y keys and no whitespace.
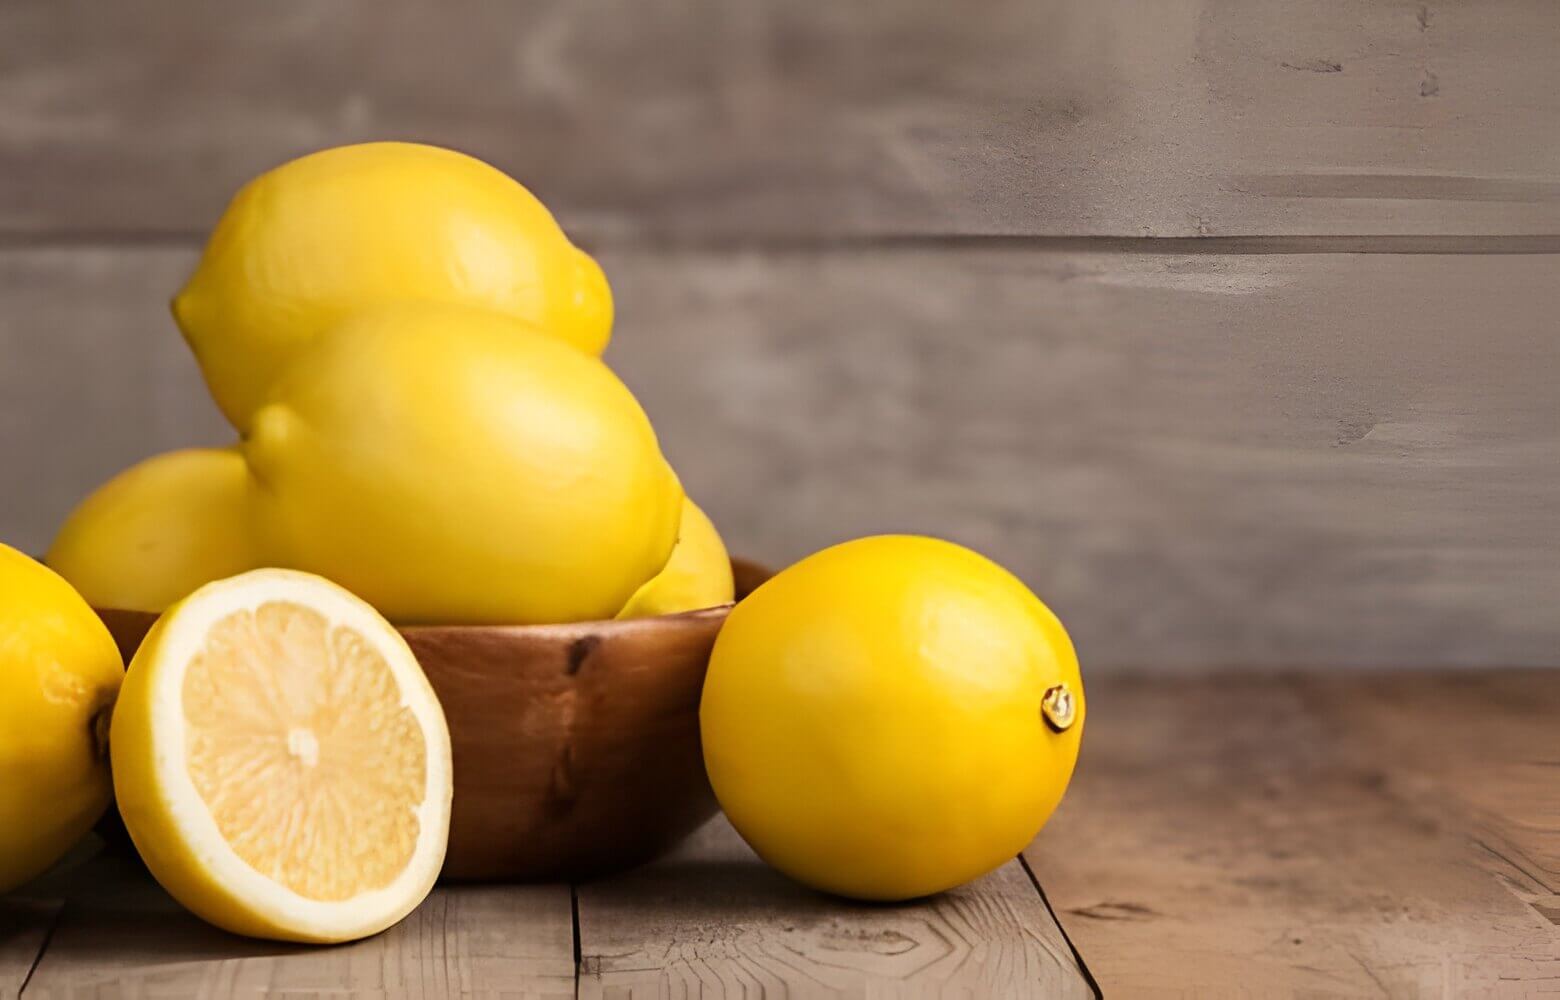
{"x":558,"y":630}
{"x":594,"y":626}
{"x":540,"y":629}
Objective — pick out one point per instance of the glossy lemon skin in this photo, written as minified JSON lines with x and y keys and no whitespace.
{"x":159,"y":530}
{"x":453,"y":466}
{"x":59,"y":674}
{"x":698,"y":575}
{"x":872,"y":717}
{"x":307,"y":244}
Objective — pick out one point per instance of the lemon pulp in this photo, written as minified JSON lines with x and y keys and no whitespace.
{"x":298,"y":744}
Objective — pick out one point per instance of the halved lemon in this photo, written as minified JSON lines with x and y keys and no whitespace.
{"x":281,"y":761}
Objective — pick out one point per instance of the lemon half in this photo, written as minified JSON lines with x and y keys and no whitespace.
{"x":281,"y":761}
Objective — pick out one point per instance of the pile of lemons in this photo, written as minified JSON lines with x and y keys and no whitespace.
{"x":408,"y":348}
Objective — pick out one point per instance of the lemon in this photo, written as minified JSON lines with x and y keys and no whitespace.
{"x":59,"y":671}
{"x":452,"y":465}
{"x":698,"y":575}
{"x":158,"y":530}
{"x":307,"y":244}
{"x":281,"y":762}
{"x":891,"y":717}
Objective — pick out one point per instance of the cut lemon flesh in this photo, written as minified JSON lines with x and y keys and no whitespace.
{"x":281,"y":761}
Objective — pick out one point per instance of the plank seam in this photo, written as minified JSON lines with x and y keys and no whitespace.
{"x":574,"y":912}
{"x":1250,"y":245}
{"x":43,"y":946}
{"x":1083,"y":967}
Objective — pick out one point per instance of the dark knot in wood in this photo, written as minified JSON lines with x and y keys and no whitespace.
{"x":579,"y":650}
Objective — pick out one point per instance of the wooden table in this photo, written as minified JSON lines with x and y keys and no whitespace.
{"x":1393,"y":834}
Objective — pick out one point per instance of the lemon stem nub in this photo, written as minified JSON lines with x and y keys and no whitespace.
{"x":100,"y":721}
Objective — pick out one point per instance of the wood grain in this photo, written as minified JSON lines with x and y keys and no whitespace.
{"x":1309,"y":459}
{"x":93,"y":377}
{"x":1488,"y":745}
{"x":1285,"y":835}
{"x":1312,"y":836}
{"x":1318,"y":459}
{"x":122,"y":936}
{"x":30,"y":913}
{"x":714,"y":921}
{"x":739,"y":118}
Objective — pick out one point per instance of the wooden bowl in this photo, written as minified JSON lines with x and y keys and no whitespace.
{"x":576,"y":746}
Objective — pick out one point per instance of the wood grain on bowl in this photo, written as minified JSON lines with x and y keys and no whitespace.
{"x":576,"y":746}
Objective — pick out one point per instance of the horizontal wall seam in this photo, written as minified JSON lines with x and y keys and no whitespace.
{"x":1467,"y":245}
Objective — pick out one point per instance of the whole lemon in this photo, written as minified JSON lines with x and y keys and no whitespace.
{"x":59,"y":673}
{"x":306,"y":244}
{"x":891,"y":717}
{"x":697,"y":576}
{"x":159,"y":530}
{"x":452,"y":465}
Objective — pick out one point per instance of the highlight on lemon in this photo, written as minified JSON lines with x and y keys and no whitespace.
{"x":281,"y":762}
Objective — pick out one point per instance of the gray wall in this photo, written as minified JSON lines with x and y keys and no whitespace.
{"x":1230,"y":326}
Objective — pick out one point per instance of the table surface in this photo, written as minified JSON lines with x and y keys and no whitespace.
{"x":1321,"y":835}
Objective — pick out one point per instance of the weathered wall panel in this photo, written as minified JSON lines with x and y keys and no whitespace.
{"x":744,"y":117}
{"x":1198,"y":459}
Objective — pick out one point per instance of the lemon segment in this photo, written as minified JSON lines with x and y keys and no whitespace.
{"x":281,"y":761}
{"x":158,"y":530}
{"x":59,"y":672}
{"x":698,"y":575}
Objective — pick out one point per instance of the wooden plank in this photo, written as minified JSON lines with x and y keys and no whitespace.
{"x":744,"y":117}
{"x":122,"y":936}
{"x":1488,"y":743}
{"x":30,"y":912}
{"x":93,"y":377}
{"x":1194,"y":459}
{"x":713,"y":921}
{"x":1230,"y":831}
{"x":1323,"y":459}
{"x":24,"y":929}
